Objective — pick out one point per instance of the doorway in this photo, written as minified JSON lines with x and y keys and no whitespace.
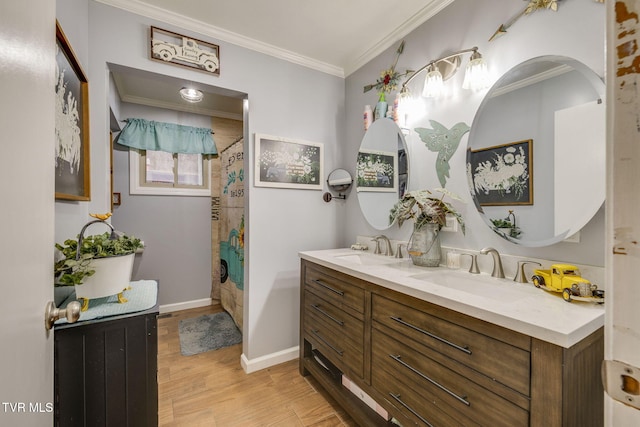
{"x":181,"y":248}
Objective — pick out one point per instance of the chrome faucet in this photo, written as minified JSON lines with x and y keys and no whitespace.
{"x":520,"y":276}
{"x":497,"y":262}
{"x":473,"y":268}
{"x":399,"y":249}
{"x":388,"y":249}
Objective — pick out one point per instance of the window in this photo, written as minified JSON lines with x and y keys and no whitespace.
{"x":168,"y":158}
{"x":171,"y":174}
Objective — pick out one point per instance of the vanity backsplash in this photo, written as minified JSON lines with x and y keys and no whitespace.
{"x":509,"y":262}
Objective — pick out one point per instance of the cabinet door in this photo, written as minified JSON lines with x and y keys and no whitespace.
{"x":105,"y":373}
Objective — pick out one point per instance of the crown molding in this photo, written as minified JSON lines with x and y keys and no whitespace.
{"x":411,"y":24}
{"x":194,"y":109}
{"x":537,"y":78}
{"x":180,"y":21}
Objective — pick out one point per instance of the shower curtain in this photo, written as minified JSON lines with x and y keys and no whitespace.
{"x":231,"y":230}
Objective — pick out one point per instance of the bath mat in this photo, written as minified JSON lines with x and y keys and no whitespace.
{"x":208,"y":332}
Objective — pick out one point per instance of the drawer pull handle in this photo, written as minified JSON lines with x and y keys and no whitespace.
{"x":321,"y":311}
{"x":396,"y":397}
{"x":324,"y":285}
{"x":317,"y":334}
{"x":462,"y":399}
{"x":464,"y":349}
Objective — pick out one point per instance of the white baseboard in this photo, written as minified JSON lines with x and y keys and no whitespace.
{"x":168,"y":308}
{"x":268,"y":360}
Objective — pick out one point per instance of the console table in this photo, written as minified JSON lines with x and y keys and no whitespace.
{"x":105,"y":371}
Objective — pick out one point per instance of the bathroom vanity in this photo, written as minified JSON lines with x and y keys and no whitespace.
{"x":440,"y":347}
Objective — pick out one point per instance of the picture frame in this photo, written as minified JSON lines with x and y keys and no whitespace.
{"x":116,"y":199}
{"x":502,"y":175}
{"x":72,"y":160}
{"x":377,"y":171}
{"x":288,"y":163}
{"x":177,"y":49}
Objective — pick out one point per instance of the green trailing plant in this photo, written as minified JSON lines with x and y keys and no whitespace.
{"x":423,"y":207}
{"x":514,"y":231}
{"x":501,"y":223}
{"x":71,"y":270}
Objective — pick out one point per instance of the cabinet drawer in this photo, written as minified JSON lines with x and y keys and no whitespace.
{"x":506,"y":364}
{"x":439,"y":386}
{"x":342,"y":352}
{"x":334,"y":287}
{"x":341,"y":324}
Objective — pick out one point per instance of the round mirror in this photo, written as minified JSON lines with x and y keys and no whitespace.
{"x":382,"y":171}
{"x":536,"y":153}
{"x":339,"y":180}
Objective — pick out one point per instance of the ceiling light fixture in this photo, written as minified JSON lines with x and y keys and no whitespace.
{"x":441,"y":69}
{"x":191,"y":94}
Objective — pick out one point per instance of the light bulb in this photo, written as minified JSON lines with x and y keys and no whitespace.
{"x":433,"y":84}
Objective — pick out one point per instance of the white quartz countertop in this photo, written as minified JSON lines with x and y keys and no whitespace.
{"x":520,"y":307}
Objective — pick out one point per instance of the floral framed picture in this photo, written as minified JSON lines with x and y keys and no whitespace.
{"x":503,"y":174}
{"x":288,"y":163}
{"x":72,"y":168}
{"x":377,"y":171}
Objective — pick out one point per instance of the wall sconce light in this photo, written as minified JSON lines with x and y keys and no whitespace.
{"x":441,"y":69}
{"x":433,"y":83}
{"x":191,"y":95}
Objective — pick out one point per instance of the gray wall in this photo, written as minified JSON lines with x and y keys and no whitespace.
{"x":292,"y":101}
{"x":284,"y":99}
{"x":176,"y":229}
{"x":73,"y":18}
{"x":576,"y":30}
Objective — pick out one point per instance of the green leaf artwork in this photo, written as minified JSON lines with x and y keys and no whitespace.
{"x":443,"y":141}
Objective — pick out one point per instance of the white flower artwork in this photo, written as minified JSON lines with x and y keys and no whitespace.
{"x":68,"y":141}
{"x":287,"y":163}
{"x":501,"y":175}
{"x":72,"y":178}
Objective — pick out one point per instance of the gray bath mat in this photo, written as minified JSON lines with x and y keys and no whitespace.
{"x":207,"y":332}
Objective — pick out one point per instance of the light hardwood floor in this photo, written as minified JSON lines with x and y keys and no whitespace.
{"x":211,"y":389}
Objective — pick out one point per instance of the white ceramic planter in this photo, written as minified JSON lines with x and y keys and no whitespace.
{"x":112,"y":276}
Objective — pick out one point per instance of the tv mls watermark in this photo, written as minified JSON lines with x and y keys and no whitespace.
{"x":26,"y":407}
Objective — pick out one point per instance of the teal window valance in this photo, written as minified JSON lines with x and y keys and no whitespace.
{"x":169,"y":137}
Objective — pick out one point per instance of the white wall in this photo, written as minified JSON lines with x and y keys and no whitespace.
{"x":576,"y":30}
{"x":284,"y":99}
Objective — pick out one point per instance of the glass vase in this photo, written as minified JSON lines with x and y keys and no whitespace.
{"x":424,"y":246}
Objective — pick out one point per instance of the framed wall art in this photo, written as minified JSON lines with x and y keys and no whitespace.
{"x":288,"y":163}
{"x":167,"y":46}
{"x":503,"y":174}
{"x":72,"y":180}
{"x":377,"y":171}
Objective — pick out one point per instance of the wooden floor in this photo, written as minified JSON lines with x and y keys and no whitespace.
{"x":211,"y":389}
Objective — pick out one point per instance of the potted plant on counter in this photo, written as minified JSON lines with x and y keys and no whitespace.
{"x":98,"y":265}
{"x":429,"y":214}
{"x":507,"y":227}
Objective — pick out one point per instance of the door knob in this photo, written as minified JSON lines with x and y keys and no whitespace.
{"x":51,"y":313}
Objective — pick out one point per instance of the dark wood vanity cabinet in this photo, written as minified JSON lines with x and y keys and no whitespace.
{"x":428,"y":365}
{"x":105,"y":372}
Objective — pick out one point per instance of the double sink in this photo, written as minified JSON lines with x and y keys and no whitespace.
{"x":481,"y":285}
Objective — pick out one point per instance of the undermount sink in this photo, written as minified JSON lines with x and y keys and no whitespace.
{"x":479,"y":285}
{"x":367,"y":259}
